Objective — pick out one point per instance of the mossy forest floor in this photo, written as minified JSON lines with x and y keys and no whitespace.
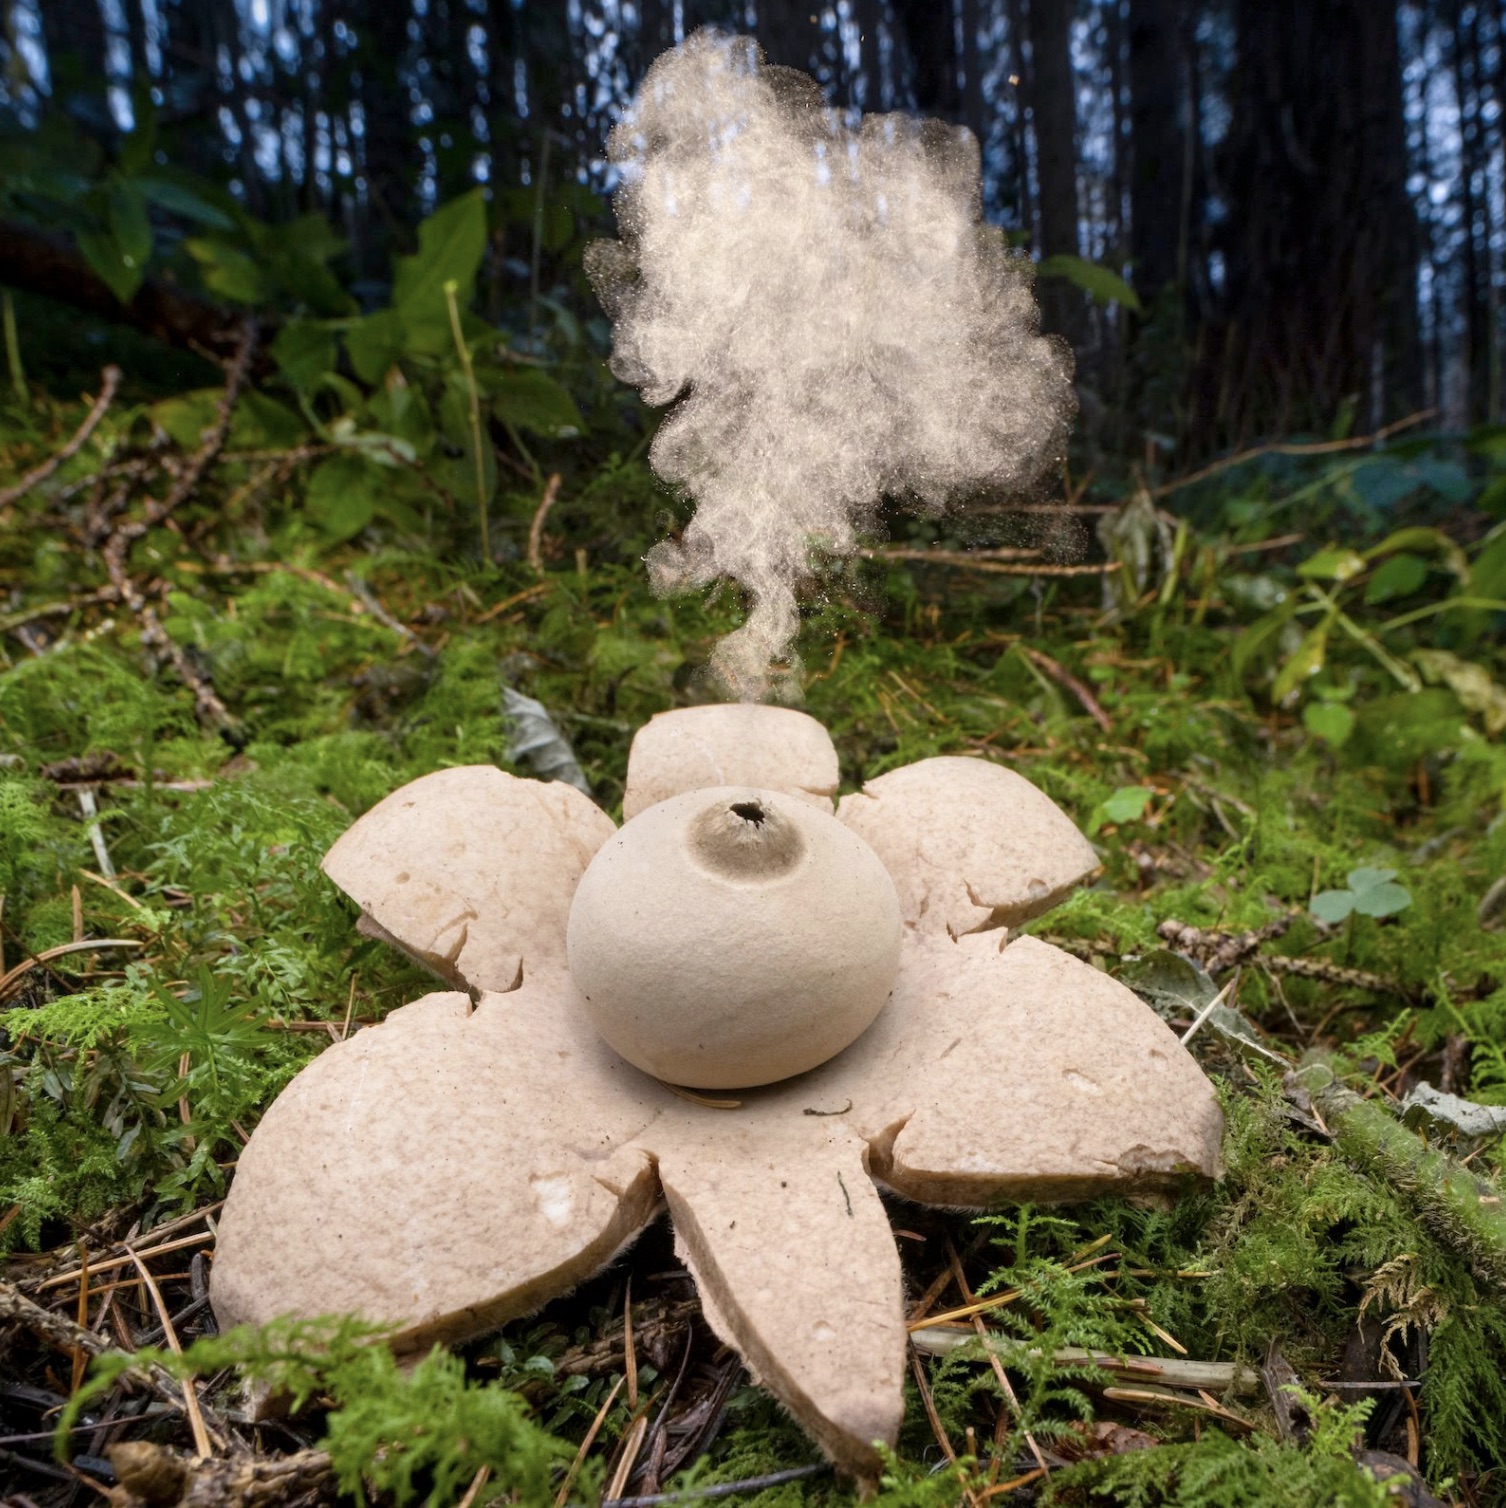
{"x":1255,"y":705}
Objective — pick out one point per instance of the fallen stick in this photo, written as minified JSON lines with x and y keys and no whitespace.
{"x":1462,"y":1209}
{"x":39,"y":474}
{"x":155,"y":1474}
{"x":1167,"y":1371}
{"x":89,"y":944}
{"x":1064,"y":677}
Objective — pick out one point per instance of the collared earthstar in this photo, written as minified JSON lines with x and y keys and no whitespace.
{"x":485,"y":1149}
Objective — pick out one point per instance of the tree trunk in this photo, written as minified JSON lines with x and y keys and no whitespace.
{"x":73,"y":32}
{"x":390,"y":155}
{"x":786,"y":32}
{"x":1053,"y":107}
{"x":1473,"y":202}
{"x":1321,"y":242}
{"x":930,"y":33}
{"x":1019,"y":58}
{"x":1157,"y":145}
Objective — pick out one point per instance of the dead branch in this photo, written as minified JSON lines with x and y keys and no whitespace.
{"x":536,"y":528}
{"x":1313,"y":448}
{"x":1334,"y":973}
{"x":980,"y":560}
{"x":1463,"y":1209}
{"x":207,"y":704}
{"x":64,"y":1334}
{"x":1064,"y":677}
{"x":1220,"y":951}
{"x":1169,"y":1371}
{"x":154,"y":1476}
{"x":109,"y":382}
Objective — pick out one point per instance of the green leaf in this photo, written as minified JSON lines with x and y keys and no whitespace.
{"x":1127,"y":804}
{"x":1333,"y":564}
{"x":137,"y":149}
{"x":1332,"y":906}
{"x":177,"y":199}
{"x":262,"y":423}
{"x":533,"y":401}
{"x":1260,"y":635}
{"x":1331,"y":721}
{"x":1492,"y":498}
{"x":402,"y":411}
{"x":227,"y":270}
{"x":343,"y":494}
{"x":304,"y":351}
{"x":1472,"y":683}
{"x":1305,"y":662}
{"x":1399,"y":576}
{"x":186,"y":417}
{"x":1388,"y":480}
{"x":376,"y":344}
{"x":103,"y":254}
{"x":1376,"y":892}
{"x":119,"y":243}
{"x":1487,"y":572}
{"x":1102,"y":284}
{"x":451,"y":244}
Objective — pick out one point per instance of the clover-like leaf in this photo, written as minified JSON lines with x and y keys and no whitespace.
{"x":1376,"y":892}
{"x":1332,"y":906}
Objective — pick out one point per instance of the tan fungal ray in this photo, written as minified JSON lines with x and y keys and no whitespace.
{"x":970,"y":844}
{"x":442,"y":1172}
{"x":1019,"y":1074}
{"x":796,"y":1266}
{"x":774,"y":748}
{"x":470,"y":871}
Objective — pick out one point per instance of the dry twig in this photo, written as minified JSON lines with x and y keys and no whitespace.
{"x":1314,"y":448}
{"x":536,"y":528}
{"x":1064,"y":677}
{"x":110,"y":381}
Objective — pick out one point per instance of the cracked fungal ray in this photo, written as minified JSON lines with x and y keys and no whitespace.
{"x":830,"y":317}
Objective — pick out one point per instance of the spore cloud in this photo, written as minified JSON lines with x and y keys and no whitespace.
{"x":829,"y":316}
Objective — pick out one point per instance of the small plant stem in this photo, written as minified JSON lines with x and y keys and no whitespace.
{"x":13,"y":348}
{"x":538,"y":236}
{"x":475,"y":402}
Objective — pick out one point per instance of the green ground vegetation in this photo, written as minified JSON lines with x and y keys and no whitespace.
{"x":1279,"y":707}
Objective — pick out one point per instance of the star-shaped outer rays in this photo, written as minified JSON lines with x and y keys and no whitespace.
{"x":479,"y":1153}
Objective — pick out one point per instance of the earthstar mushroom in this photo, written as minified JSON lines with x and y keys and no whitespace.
{"x":733,"y":937}
{"x":471,"y":1158}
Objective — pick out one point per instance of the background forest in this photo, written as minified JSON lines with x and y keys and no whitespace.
{"x":314,"y":478}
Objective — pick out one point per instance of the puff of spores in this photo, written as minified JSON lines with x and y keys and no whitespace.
{"x":732,"y":937}
{"x":828,"y":314}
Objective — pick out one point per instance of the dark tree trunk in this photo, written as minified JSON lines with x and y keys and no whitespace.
{"x":975,"y":109}
{"x":1053,"y":107}
{"x":655,"y":35}
{"x":1019,"y":57}
{"x":1157,"y":145}
{"x":1321,"y":241}
{"x":786,"y":33}
{"x":390,"y":153}
{"x":930,"y":33}
{"x":135,"y":13}
{"x":73,"y":32}
{"x":1473,"y":203}
{"x":871,"y":14}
